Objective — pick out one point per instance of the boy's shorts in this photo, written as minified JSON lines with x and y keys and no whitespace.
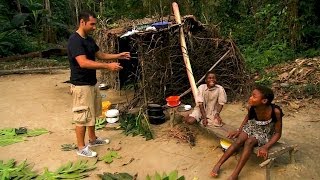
{"x":212,"y":121}
{"x":86,"y":104}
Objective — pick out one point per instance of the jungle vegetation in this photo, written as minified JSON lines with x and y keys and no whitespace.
{"x":267,"y":31}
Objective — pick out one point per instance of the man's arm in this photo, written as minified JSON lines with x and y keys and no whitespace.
{"x":89,"y":64}
{"x":106,"y":56}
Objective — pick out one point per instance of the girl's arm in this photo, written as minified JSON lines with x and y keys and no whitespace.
{"x":246,"y":118}
{"x":278,"y":129}
{"x":263,"y":151}
{"x":235,"y":134}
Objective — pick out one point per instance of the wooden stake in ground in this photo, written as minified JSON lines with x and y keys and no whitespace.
{"x":185,"y":51}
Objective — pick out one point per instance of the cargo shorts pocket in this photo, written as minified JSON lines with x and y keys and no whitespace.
{"x":81,"y":114}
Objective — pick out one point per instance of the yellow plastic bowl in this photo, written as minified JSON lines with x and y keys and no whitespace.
{"x":225,"y":144}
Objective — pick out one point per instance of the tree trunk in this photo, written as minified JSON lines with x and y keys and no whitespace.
{"x":101,"y":7}
{"x":77,"y":8}
{"x":294,"y":26}
{"x":18,"y":6}
{"x":48,"y":34}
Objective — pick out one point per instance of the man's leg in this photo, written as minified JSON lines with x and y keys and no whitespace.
{"x":96,"y":112}
{"x":247,"y":150}
{"x":233,"y":148}
{"x":92,"y":133}
{"x":80,"y":134}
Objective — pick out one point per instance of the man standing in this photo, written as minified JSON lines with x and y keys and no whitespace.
{"x":82,"y":52}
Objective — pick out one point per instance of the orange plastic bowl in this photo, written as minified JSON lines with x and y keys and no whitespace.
{"x":173,"y":101}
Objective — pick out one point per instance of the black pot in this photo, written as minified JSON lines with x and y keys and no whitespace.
{"x":155,"y":106}
{"x":155,"y":110}
{"x":157,"y":119}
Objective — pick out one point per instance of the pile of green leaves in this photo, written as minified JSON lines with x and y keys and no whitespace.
{"x":12,"y":135}
{"x":136,"y":125}
{"x":70,"y":170}
{"x":115,"y":176}
{"x":100,"y":123}
{"x":171,"y":176}
{"x":108,"y":158}
{"x":77,"y":170}
{"x":11,"y":170}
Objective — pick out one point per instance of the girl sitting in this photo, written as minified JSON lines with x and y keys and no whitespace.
{"x":262,"y":126}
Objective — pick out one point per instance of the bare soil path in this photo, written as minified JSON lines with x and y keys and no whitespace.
{"x":43,"y":101}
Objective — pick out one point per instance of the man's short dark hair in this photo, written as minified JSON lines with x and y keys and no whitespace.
{"x":209,"y":72}
{"x":85,"y":15}
{"x":266,"y":92}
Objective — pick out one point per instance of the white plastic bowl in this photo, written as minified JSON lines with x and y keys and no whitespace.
{"x":187,"y":107}
{"x":112,"y":113}
{"x":112,"y":120}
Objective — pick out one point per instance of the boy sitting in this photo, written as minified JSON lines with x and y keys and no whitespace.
{"x":211,"y":98}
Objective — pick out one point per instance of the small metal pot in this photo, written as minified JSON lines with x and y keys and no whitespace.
{"x":155,"y":110}
{"x":157,"y":119}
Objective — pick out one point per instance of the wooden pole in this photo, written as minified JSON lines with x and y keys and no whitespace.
{"x":184,"y":50}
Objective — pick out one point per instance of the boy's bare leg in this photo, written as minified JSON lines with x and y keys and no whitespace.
{"x":247,"y":150}
{"x":80,"y":133}
{"x":92,"y":133}
{"x":233,"y":148}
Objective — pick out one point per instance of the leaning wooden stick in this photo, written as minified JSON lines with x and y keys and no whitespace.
{"x":185,"y":51}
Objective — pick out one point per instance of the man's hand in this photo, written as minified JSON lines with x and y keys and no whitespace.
{"x":263,"y":152}
{"x":113,"y":66}
{"x":124,"y":55}
{"x":233,"y":134}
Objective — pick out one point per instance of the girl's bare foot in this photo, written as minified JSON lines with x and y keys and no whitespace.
{"x":215,"y":171}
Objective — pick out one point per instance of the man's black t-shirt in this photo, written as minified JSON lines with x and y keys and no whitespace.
{"x":81,"y":46}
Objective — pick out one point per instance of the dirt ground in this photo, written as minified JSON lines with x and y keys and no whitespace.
{"x":43,"y":101}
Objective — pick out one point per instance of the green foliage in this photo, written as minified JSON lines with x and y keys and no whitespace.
{"x":10,"y":136}
{"x":70,"y":170}
{"x":12,"y":39}
{"x":266,"y":80}
{"x":312,"y":90}
{"x":36,"y":132}
{"x":77,"y":170}
{"x":33,"y":63}
{"x":10,"y":170}
{"x":68,"y":147}
{"x":259,"y":56}
{"x":108,"y":158}
{"x":115,"y":176}
{"x":100,"y":123}
{"x":172,"y":176}
{"x":136,"y":125}
{"x":304,"y":90}
{"x":268,"y":32}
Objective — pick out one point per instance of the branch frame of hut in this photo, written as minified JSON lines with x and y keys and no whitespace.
{"x":157,"y":69}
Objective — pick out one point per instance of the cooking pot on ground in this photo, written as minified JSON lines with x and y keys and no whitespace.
{"x":155,"y":110}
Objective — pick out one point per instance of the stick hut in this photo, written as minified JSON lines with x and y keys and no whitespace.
{"x":157,"y":69}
